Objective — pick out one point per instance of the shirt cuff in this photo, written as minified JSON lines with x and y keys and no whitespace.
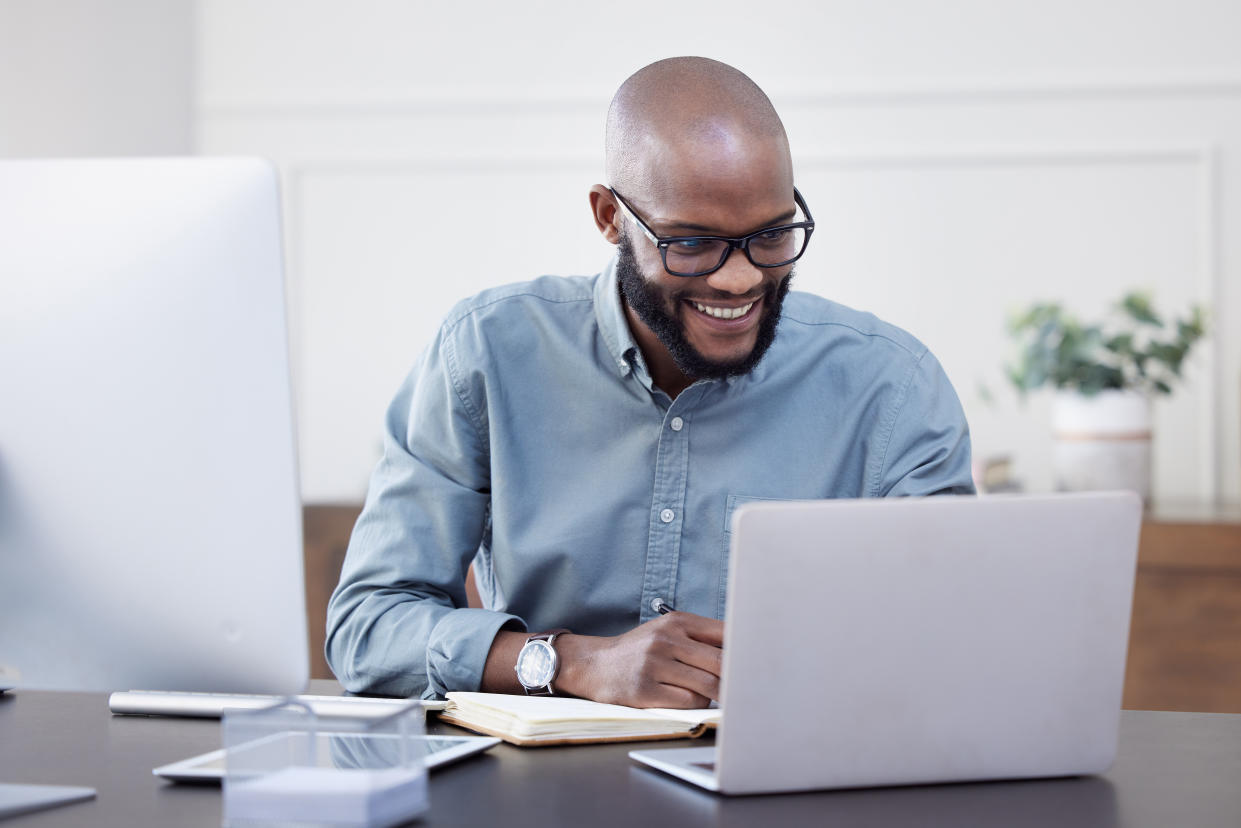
{"x":458,"y":647}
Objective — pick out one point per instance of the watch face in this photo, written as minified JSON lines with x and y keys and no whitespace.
{"x":536,"y":665}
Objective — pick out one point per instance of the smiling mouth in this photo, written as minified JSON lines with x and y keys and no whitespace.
{"x":722,"y":313}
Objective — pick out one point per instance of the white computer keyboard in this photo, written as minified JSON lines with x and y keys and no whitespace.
{"x":213,"y":705}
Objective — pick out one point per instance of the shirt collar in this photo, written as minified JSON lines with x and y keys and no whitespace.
{"x":613,"y":324}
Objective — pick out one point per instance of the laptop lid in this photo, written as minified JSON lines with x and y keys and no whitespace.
{"x":880,"y":642}
{"x":150,"y":528}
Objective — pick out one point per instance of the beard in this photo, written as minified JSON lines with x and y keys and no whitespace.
{"x":651,"y":306}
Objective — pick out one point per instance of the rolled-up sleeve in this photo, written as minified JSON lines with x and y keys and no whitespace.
{"x":398,"y":623}
{"x":928,"y":444}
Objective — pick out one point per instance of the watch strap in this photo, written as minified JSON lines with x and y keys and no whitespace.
{"x":549,"y":637}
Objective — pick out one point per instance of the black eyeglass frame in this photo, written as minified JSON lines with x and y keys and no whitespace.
{"x":738,"y":243}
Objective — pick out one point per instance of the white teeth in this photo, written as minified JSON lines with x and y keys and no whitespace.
{"x":724,"y":313}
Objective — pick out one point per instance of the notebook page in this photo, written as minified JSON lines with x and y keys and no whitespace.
{"x":555,"y":709}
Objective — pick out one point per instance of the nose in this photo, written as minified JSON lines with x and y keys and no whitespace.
{"x":738,"y":275}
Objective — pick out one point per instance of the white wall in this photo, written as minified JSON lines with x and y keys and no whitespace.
{"x":88,"y":77}
{"x":961,"y":158}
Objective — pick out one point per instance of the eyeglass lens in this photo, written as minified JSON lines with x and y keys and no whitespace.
{"x":771,"y":248}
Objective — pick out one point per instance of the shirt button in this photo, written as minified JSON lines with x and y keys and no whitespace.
{"x":677,"y":424}
{"x":624,"y":366}
{"x":667,"y":515}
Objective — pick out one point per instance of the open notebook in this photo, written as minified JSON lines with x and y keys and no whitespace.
{"x":549,"y":720}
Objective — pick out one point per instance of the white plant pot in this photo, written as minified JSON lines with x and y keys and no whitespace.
{"x":1102,"y":441}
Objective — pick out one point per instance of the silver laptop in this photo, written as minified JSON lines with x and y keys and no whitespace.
{"x":912,"y":641}
{"x":150,"y":528}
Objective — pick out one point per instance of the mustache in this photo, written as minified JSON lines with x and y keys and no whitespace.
{"x":766,"y":291}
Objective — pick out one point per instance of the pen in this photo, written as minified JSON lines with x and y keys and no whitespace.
{"x":663,"y":607}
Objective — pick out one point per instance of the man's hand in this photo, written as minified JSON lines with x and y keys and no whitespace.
{"x":671,"y":661}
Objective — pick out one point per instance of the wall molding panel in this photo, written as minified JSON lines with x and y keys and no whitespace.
{"x":1187,"y":123}
{"x":553,"y":100}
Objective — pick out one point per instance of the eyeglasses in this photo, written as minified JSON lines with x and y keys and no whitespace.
{"x":775,"y":246}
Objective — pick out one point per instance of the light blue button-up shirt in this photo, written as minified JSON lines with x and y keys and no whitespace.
{"x":530,"y":439}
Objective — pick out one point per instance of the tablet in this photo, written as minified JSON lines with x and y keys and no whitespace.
{"x":438,"y":751}
{"x":25,"y":799}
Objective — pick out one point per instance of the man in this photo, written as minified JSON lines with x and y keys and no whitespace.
{"x":584,"y":441}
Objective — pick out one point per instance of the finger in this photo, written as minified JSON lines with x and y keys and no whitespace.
{"x":700,"y":628}
{"x":698,"y":682}
{"x":679,"y":698}
{"x":700,"y":656}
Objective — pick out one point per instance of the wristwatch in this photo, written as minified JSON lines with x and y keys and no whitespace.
{"x":538,"y":664}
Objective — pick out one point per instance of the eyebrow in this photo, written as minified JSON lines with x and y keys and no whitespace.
{"x":783,"y":218}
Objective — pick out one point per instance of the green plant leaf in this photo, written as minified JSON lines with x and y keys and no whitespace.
{"x":1055,"y":348}
{"x":1120,"y":344}
{"x":1138,"y":306}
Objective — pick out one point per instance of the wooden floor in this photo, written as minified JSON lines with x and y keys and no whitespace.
{"x":1185,"y":640}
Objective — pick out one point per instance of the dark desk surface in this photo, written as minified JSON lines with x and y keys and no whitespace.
{"x":1181,"y":769}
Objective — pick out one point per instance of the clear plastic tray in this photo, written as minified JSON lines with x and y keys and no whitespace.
{"x":286,"y":766}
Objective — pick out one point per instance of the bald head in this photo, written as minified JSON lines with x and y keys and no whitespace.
{"x":685,"y":109}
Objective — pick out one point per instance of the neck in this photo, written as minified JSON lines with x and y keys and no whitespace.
{"x":664,"y":371}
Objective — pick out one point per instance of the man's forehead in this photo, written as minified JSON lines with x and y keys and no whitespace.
{"x":721,"y":147}
{"x":728,"y":185}
{"x":733,"y":212}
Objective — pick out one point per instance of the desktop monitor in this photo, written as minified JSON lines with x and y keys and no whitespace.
{"x":150,"y":525}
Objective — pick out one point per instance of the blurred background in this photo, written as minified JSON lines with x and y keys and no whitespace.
{"x":963,"y":159}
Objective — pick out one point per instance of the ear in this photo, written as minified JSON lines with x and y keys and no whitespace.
{"x":607,"y":214}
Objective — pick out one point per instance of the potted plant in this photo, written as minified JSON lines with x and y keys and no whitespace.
{"x":1105,"y":376}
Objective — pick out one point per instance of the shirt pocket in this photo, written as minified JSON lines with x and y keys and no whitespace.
{"x":730,"y":505}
